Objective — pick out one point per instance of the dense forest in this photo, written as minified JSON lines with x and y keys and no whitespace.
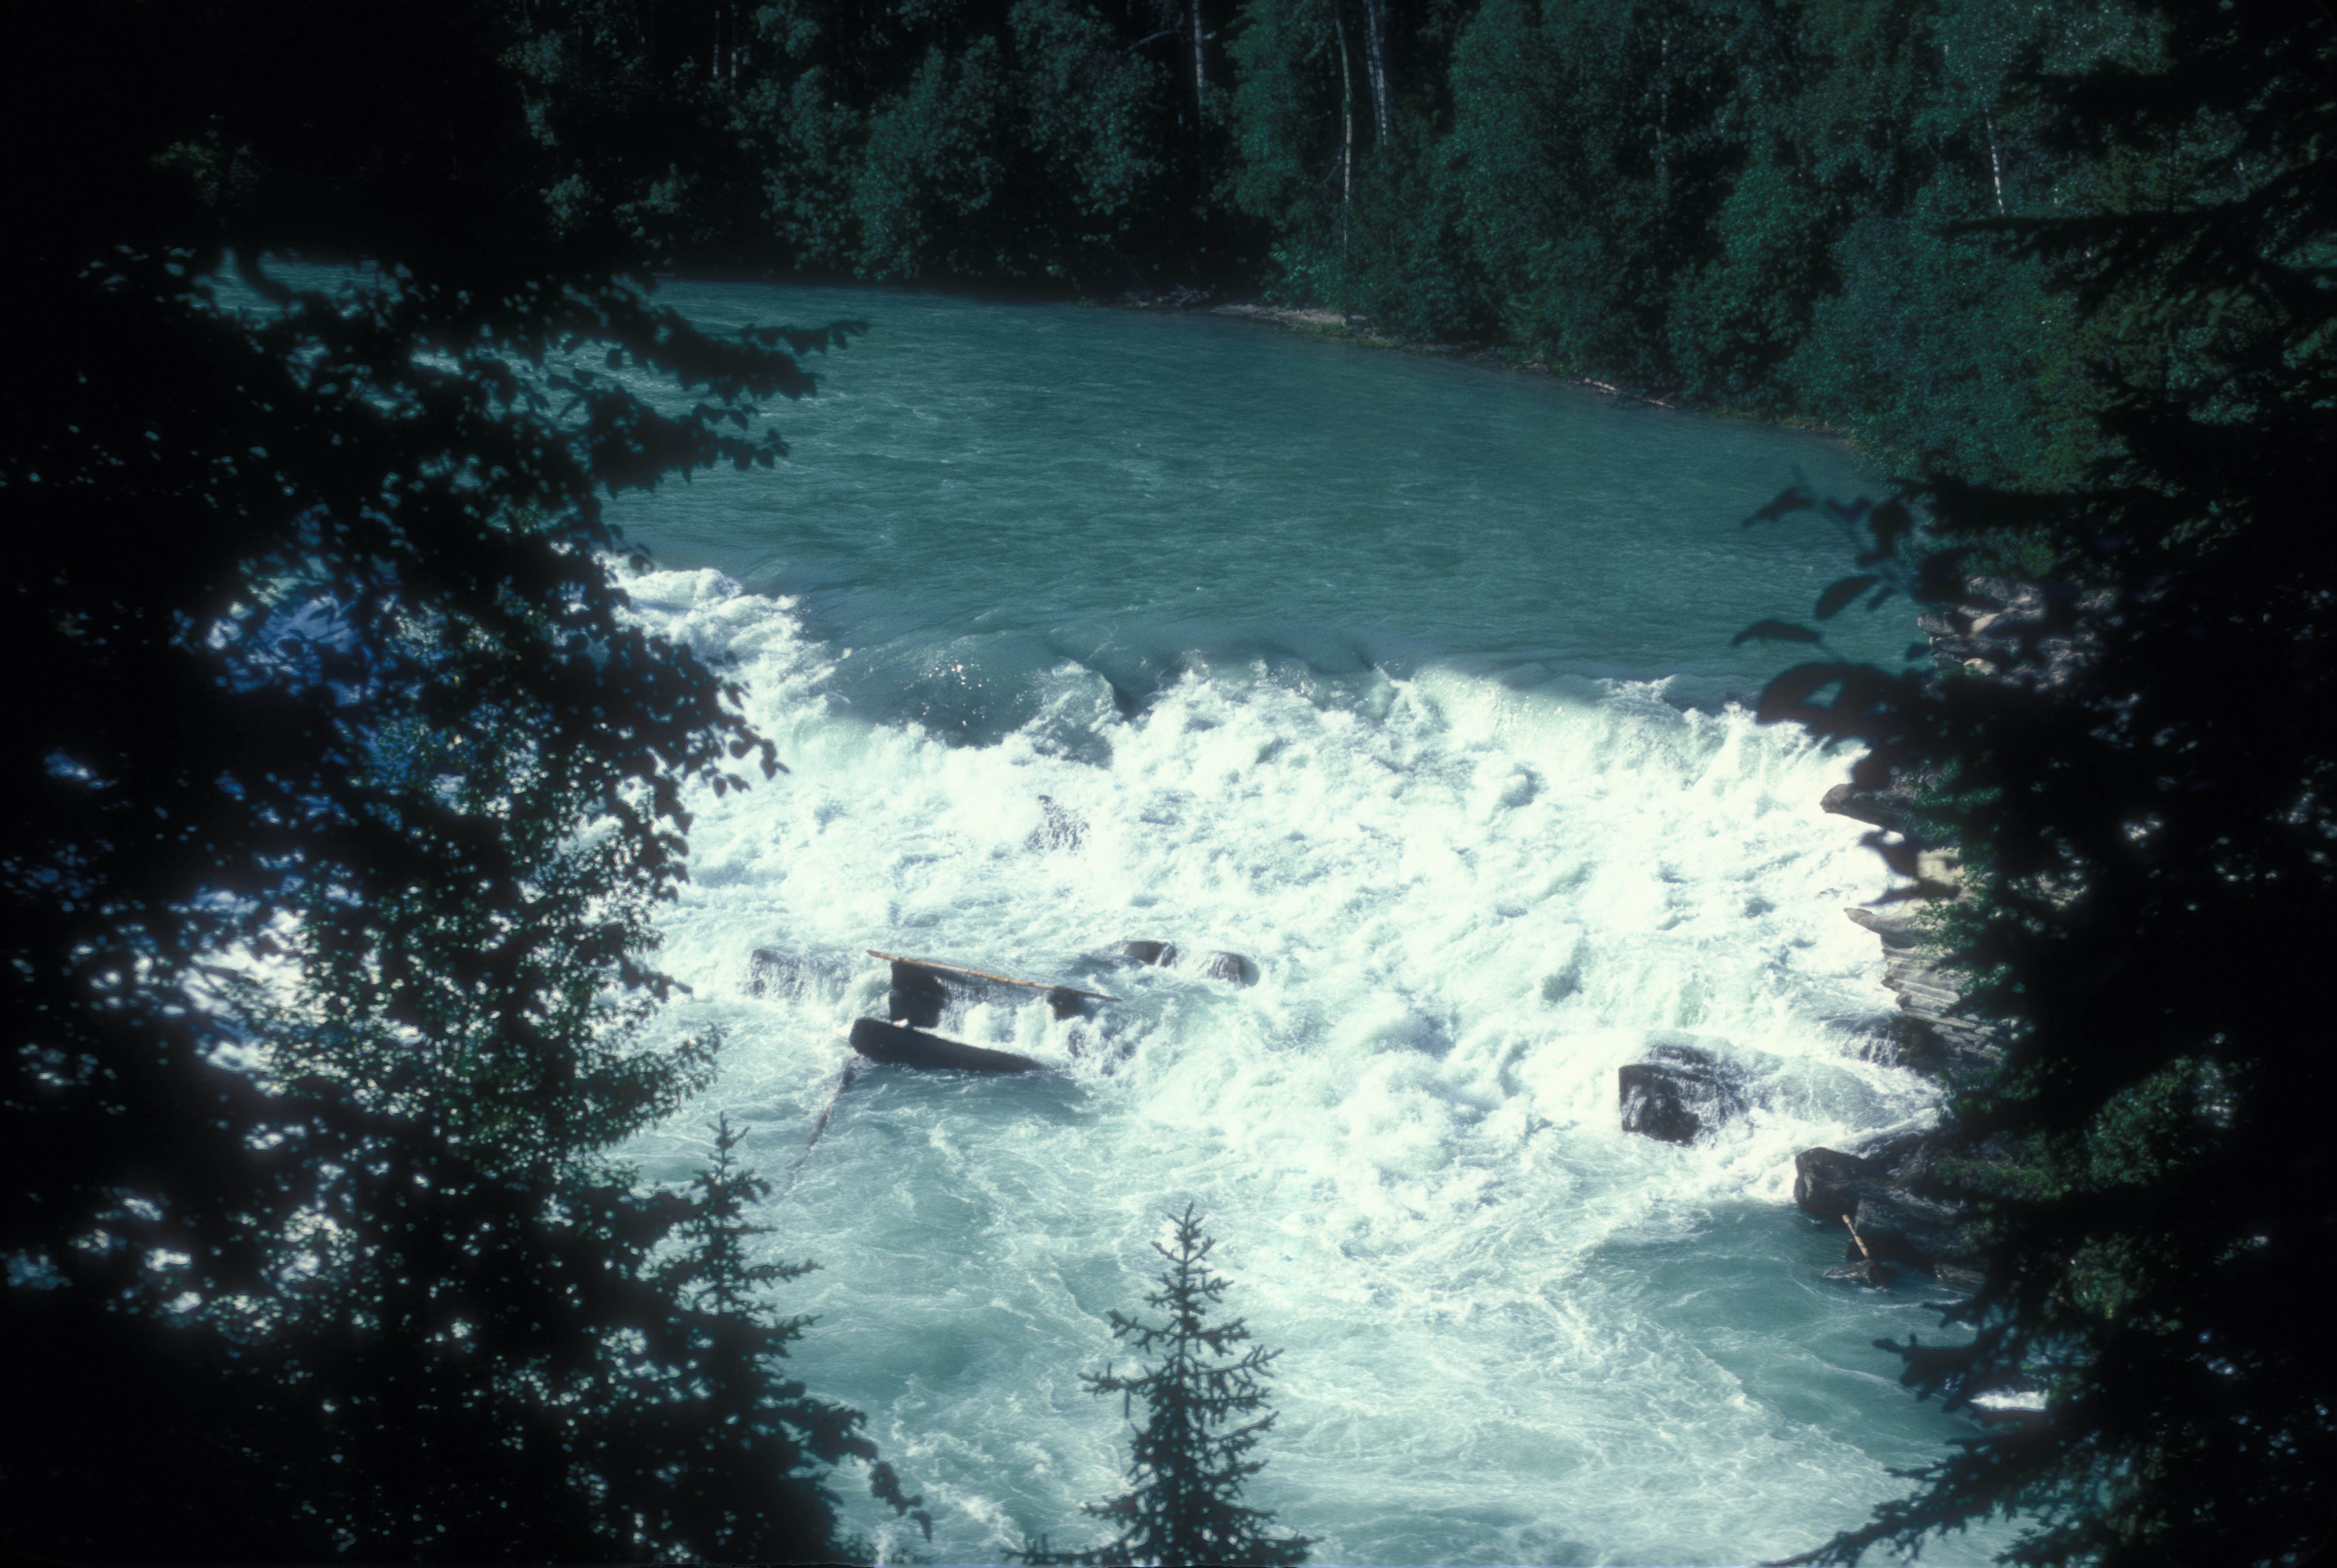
{"x":325,"y":681}
{"x":1745,"y":203}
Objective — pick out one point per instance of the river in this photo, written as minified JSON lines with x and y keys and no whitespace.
{"x":1412,"y":681}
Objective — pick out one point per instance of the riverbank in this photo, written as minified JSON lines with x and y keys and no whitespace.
{"x":1320,"y":322}
{"x":1323,"y":323}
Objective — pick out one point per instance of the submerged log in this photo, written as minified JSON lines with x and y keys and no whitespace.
{"x":883,"y":1042}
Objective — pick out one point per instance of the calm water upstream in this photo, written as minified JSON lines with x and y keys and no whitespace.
{"x":1410,"y":680}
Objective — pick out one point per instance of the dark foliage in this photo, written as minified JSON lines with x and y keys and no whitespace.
{"x":1750,"y":204}
{"x":346,"y":789}
{"x":1188,"y":1462}
{"x":2142,"y":793}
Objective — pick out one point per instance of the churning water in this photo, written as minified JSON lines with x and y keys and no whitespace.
{"x":1410,"y":681}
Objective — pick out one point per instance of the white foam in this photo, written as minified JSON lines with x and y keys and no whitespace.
{"x":1507,"y":1324}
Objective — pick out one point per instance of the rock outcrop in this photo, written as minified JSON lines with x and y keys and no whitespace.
{"x":2032,"y":636}
{"x":1934,"y":1032}
{"x":1679,"y":1093}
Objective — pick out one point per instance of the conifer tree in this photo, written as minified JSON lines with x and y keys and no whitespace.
{"x":758,"y":1447}
{"x":1188,"y":1461}
{"x":2142,"y":780}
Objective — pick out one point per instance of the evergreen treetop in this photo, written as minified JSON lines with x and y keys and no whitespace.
{"x":1205,"y":1409}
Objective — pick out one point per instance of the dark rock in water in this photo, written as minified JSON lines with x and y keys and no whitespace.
{"x":1895,"y":1209}
{"x":1230,"y":967}
{"x":1060,"y":831}
{"x":1907,"y":1159}
{"x":1896,"y":930}
{"x":1675,"y":1098}
{"x":1891,"y":808}
{"x":776,"y":972}
{"x":1898,"y":1227}
{"x":883,"y":1042}
{"x":1825,"y":1180}
{"x":1656,"y":1102}
{"x":918,"y":997}
{"x":924,"y":992}
{"x":1161,"y":954}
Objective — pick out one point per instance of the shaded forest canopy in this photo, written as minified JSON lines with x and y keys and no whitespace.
{"x":1745,"y":203}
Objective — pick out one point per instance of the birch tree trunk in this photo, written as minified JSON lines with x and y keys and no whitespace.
{"x":1201,"y":121}
{"x":1346,"y":126}
{"x":1995,"y":163}
{"x":1375,"y":54}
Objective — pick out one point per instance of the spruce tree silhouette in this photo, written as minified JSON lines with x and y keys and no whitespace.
{"x":2140,"y":770}
{"x":751,"y":1446}
{"x":1186,"y":1465}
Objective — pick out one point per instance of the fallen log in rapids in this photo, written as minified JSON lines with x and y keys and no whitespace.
{"x":883,"y":1042}
{"x":921,"y":988}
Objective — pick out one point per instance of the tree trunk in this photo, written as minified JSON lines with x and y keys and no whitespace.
{"x":1375,"y":60}
{"x":1346,"y":128}
{"x":1995,"y":163}
{"x":1201,"y":121}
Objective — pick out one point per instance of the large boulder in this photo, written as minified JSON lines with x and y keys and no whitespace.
{"x":1825,"y":1180}
{"x":1161,"y":954}
{"x":1680,"y":1093}
{"x":1231,"y":967}
{"x":1897,"y":1213}
{"x":1900,"y":1227}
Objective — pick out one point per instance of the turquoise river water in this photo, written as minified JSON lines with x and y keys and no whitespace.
{"x":1410,"y":680}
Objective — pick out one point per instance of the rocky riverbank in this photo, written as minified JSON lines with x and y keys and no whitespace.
{"x":1897,"y":1216}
